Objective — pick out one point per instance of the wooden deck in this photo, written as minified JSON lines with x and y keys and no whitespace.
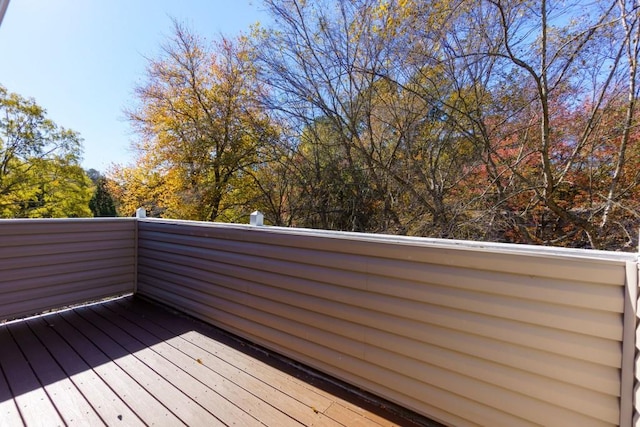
{"x":131,"y":362}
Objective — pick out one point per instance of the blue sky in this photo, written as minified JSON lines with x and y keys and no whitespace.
{"x":81,"y":59}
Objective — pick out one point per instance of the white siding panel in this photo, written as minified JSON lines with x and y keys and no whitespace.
{"x":467,"y":334}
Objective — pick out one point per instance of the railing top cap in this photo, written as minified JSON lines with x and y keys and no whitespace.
{"x":507,"y":248}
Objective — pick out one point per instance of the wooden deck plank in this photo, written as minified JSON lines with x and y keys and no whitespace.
{"x":183,"y":383}
{"x":9,"y":414}
{"x":230,"y":365}
{"x":231,"y":403}
{"x":145,"y":406}
{"x":282,"y":381}
{"x":132,"y":362}
{"x":107,"y":403}
{"x":282,"y":390}
{"x":367,"y":415}
{"x":121,"y":349}
{"x":307,"y":394}
{"x":288,"y":403}
{"x":68,"y":400}
{"x":349,"y":417}
{"x":31,"y":399}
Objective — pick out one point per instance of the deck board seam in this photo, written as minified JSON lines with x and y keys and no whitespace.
{"x":68,"y":378}
{"x":35,"y":375}
{"x":13,"y":398}
{"x":187,"y":373}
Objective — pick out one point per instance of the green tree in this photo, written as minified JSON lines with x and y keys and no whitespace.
{"x":101,"y":203}
{"x":40,"y":175}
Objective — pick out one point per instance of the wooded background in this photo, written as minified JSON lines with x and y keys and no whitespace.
{"x":511,"y":121}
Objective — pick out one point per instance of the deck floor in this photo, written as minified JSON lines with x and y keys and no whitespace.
{"x":131,"y":362}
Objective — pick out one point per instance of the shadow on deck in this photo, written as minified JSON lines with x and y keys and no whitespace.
{"x":131,"y":362}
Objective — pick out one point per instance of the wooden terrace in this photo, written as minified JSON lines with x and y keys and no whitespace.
{"x":130,"y":362}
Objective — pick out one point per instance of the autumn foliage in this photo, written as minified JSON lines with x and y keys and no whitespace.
{"x":479,"y":119}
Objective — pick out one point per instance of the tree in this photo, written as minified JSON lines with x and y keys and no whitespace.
{"x":376,"y":149}
{"x":579,"y":70}
{"x":134,"y":187}
{"x":202,"y":133}
{"x":40,"y":175}
{"x":101,"y":203}
{"x":513,"y":121}
{"x":312,"y":62}
{"x":538,"y":81}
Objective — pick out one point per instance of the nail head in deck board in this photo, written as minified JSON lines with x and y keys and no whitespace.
{"x":234,"y":403}
{"x":144,"y":405}
{"x":68,"y":400}
{"x":107,"y":403}
{"x":31,"y":399}
{"x":161,"y":391}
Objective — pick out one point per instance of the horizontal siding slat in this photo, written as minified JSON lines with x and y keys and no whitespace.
{"x":27,"y":307}
{"x":63,"y":237}
{"x":66,"y":248}
{"x":56,"y":257}
{"x":574,"y":371}
{"x":518,"y":404}
{"x":86,"y":276}
{"x":49,"y":270}
{"x":598,"y":296}
{"x":351,"y":261}
{"x":385,"y":348}
{"x":25,"y":227}
{"x":572,"y":294}
{"x":274,"y":304}
{"x":67,"y":287}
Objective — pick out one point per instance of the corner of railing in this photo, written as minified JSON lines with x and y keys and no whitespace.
{"x":630,"y":367}
{"x":634,"y":286}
